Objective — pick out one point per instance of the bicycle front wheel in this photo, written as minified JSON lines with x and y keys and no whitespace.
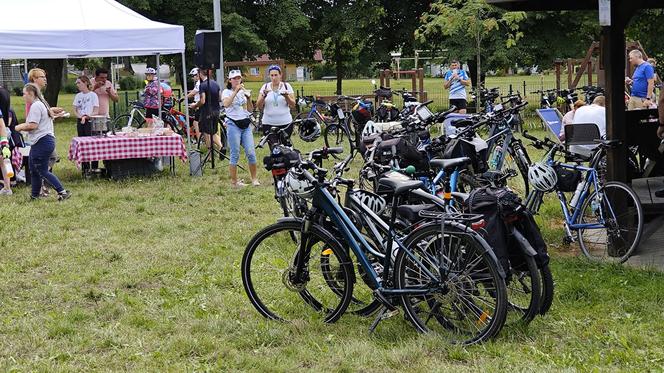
{"x":617,"y":209}
{"x":338,"y":136}
{"x":126,"y":120}
{"x":467,"y":303}
{"x":324,"y":287}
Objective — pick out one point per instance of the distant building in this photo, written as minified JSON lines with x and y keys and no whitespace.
{"x":256,"y":70}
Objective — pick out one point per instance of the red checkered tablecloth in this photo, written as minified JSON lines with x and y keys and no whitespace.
{"x":87,"y":149}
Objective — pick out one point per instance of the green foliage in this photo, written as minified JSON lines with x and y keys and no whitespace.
{"x":320,"y":70}
{"x":128,"y":83}
{"x":69,"y":87}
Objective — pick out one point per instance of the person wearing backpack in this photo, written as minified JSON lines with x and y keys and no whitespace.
{"x":275,"y":100}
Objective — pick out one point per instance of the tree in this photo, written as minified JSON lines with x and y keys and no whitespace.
{"x":473,"y":19}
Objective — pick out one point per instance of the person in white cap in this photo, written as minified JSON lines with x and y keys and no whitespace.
{"x":237,"y":100}
{"x":196,"y":96}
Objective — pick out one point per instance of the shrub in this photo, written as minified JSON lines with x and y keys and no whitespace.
{"x":69,"y":87}
{"x":18,"y":91}
{"x":128,"y":83}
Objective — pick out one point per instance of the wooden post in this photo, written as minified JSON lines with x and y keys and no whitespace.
{"x":558,"y":62}
{"x":422,"y":96}
{"x":388,"y":75}
{"x":590,"y":72}
{"x":413,"y":81}
{"x":570,"y":71}
{"x":382,"y":78}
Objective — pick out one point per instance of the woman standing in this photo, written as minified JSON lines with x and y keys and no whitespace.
{"x":86,"y":104}
{"x":38,"y":77}
{"x":39,"y":125}
{"x":237,"y":101}
{"x":151,"y":95}
{"x":276,"y":99}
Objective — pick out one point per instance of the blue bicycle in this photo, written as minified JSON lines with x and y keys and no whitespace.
{"x":444,"y":275}
{"x":607,"y":217}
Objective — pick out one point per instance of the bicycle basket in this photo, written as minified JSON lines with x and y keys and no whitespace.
{"x":567,"y":179}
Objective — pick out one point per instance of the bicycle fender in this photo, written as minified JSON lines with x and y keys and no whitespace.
{"x":525,"y":246}
{"x":489,"y":250}
{"x":288,"y":218}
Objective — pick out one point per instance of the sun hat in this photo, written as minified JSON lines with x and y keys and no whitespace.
{"x":234,"y":73}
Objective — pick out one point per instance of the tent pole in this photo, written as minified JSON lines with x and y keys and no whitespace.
{"x":159,"y":84}
{"x":186,"y":104}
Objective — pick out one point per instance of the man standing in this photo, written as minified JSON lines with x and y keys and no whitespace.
{"x":643,"y":82}
{"x":456,"y":80}
{"x":209,"y":109}
{"x":104,"y":90}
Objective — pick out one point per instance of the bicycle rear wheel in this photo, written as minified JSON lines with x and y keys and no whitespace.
{"x":618,"y":209}
{"x":468,"y":304}
{"x":268,"y":274}
{"x":547,"y":289}
{"x":524,"y":291}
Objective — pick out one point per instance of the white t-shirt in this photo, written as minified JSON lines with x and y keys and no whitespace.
{"x":590,"y":114}
{"x":197,"y":89}
{"x":235,"y":111}
{"x":38,"y":114}
{"x":276,"y":111}
{"x":85,"y":102}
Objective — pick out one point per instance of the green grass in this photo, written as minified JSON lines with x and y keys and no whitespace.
{"x":144,"y":275}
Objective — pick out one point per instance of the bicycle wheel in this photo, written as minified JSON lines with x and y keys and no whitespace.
{"x":337,"y":136}
{"x":547,"y":289}
{"x":524,"y":291}
{"x":466,"y":305}
{"x":125,"y":120}
{"x":618,"y":209}
{"x":268,"y":269}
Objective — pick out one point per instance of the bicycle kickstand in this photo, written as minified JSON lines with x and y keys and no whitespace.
{"x":386,"y":311}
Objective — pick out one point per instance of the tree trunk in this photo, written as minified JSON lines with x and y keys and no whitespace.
{"x":339,"y":65}
{"x":126,"y":61}
{"x":53,"y":70}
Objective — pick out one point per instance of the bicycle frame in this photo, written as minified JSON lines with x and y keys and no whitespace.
{"x":571,"y":218}
{"x":322,"y":199}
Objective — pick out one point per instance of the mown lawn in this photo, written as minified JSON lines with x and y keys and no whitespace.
{"x":144,"y":275}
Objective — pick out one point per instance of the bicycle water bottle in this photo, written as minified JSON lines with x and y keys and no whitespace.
{"x":577,"y":193}
{"x":594,"y":205}
{"x":9,"y":170}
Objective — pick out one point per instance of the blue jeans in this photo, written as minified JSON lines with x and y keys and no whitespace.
{"x":40,"y":152}
{"x":237,"y":137}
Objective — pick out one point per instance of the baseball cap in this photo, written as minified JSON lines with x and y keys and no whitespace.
{"x":233,"y":73}
{"x":194,"y":71}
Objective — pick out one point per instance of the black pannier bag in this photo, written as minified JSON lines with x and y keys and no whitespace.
{"x":567,"y":179}
{"x":406,"y":153}
{"x":502,"y":208}
{"x":457,"y":147}
{"x":280,"y":160}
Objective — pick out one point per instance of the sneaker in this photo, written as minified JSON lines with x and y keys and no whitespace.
{"x":256,"y":183}
{"x":44,"y":191}
{"x":6,"y":192}
{"x":64,"y":195}
{"x":239,"y":184}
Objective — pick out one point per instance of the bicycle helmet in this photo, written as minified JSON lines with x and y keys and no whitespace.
{"x":542,"y":177}
{"x":370,"y":128}
{"x":150,"y":70}
{"x":298,"y":185}
{"x":309,"y":130}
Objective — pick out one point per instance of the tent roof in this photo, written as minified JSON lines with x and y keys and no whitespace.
{"x":82,"y":28}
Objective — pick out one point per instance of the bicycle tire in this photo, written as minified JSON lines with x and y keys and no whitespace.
{"x":123,"y":120}
{"x":547,"y":289}
{"x":338,"y":136}
{"x":616,"y":236}
{"x":524,"y":292}
{"x":314,"y":297}
{"x":481,"y":282}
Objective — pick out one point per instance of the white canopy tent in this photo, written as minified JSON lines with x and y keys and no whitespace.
{"x":85,"y":28}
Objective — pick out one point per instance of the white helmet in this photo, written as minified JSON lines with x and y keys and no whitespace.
{"x":309,"y":130}
{"x":298,"y":185}
{"x":542,"y":177}
{"x":150,"y":70}
{"x":370,"y":128}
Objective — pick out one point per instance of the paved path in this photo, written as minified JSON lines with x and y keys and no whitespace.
{"x":650,"y":253}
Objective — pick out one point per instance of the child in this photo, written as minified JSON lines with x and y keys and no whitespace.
{"x":86,"y":104}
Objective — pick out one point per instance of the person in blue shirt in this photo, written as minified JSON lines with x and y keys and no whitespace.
{"x":643,"y":82}
{"x":456,"y":80}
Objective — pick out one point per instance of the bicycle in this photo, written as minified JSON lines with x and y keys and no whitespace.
{"x":445,"y":276}
{"x":607,"y":217}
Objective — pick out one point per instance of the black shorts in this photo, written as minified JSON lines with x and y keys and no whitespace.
{"x":149,"y":112}
{"x":460,"y":103}
{"x":208,"y":123}
{"x":195,"y":114}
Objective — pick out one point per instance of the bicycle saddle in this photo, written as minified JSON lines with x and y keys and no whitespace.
{"x":398,"y":187}
{"x":609,"y":143}
{"x":447,"y":164}
{"x":411,"y":213}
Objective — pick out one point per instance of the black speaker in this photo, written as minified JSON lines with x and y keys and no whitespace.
{"x":208,"y":50}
